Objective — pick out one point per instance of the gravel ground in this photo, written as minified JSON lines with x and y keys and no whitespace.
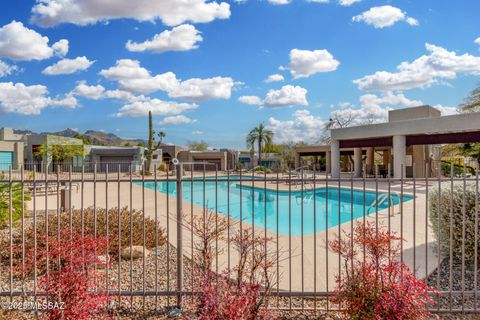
{"x":133,"y":278}
{"x":441,"y":277}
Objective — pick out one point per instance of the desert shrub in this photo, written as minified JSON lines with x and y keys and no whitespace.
{"x":82,"y":224}
{"x":16,"y":200}
{"x":443,"y":209}
{"x":163,"y":167}
{"x":74,"y":287}
{"x":261,"y":168}
{"x":373,"y":284}
{"x":244,"y":293}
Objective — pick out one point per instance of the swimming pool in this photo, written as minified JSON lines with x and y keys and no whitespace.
{"x":243,"y":202}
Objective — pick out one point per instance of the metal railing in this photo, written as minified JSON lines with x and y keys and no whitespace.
{"x":296,"y":215}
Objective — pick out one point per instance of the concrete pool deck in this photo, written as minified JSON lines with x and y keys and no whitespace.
{"x":314,"y":255}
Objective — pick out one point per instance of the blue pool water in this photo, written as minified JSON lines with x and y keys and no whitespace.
{"x":229,"y":198}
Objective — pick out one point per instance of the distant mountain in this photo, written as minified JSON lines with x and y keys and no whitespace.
{"x":94,"y":137}
{"x":108,"y":139}
{"x":70,"y":133}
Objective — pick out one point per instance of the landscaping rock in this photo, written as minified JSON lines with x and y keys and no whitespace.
{"x":137,"y":252}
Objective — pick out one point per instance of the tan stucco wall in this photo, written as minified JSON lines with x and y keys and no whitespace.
{"x":413,"y":113}
{"x":447,"y":124}
{"x":189,"y":156}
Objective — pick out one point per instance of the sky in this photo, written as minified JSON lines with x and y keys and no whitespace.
{"x":213,"y":70}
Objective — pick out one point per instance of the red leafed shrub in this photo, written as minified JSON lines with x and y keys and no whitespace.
{"x":373,"y":284}
{"x":69,"y":289}
{"x":241,"y":294}
{"x":222,"y":298}
{"x":73,"y":279}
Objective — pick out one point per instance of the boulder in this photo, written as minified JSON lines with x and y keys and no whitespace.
{"x":136,"y":252}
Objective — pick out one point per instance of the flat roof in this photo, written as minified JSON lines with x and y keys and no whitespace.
{"x":466,"y":122}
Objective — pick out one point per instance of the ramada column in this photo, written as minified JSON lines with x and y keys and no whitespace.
{"x":357,"y":162}
{"x":335,"y":158}
{"x":328,"y":162}
{"x":399,"y":152}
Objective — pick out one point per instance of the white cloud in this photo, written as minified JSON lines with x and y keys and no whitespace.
{"x":68,"y":102}
{"x":384,"y":16}
{"x":182,"y":38}
{"x":68,"y":66}
{"x":274,"y":78}
{"x":279,"y":2}
{"x":134,"y":78}
{"x":157,"y":106}
{"x":20,"y":43}
{"x":389,"y":99}
{"x":197,"y":132}
{"x":319,"y":1}
{"x":176,"y":120}
{"x":477,"y":41}
{"x":29,"y":100}
{"x":251,"y":100}
{"x":347,"y":3}
{"x":123,"y":95}
{"x":203,"y":89}
{"x":304,"y":63}
{"x":446,"y":111}
{"x":345,"y":104}
{"x":374,"y":108}
{"x":91,"y":92}
{"x":6,"y":69}
{"x":287,"y":96}
{"x":60,"y":48}
{"x":125,"y":69}
{"x":303,"y":127}
{"x":412,"y":21}
{"x":48,"y":13}
{"x":439,"y":64}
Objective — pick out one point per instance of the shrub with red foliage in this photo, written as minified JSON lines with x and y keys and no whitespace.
{"x":373,"y":284}
{"x":242,"y":293}
{"x":222,"y":298}
{"x":73,"y":281}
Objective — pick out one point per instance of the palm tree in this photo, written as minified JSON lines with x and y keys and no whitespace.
{"x":161,"y":135}
{"x":262,"y":136}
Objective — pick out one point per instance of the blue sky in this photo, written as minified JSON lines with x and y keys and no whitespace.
{"x":204,"y":74}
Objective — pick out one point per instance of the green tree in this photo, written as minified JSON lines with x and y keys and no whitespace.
{"x":261,"y":136}
{"x":60,"y":152}
{"x":16,"y":201}
{"x":84,"y":138}
{"x":197,"y":145}
{"x":472,"y":102}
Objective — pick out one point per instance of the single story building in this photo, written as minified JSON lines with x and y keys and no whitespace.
{"x":247,"y":159}
{"x":115,"y":158}
{"x":170,"y":152}
{"x":209,"y":160}
{"x":11,"y":150}
{"x":410,"y":140}
{"x":270,"y":160}
{"x":34,"y":142}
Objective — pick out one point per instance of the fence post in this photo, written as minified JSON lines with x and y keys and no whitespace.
{"x":179,"y":173}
